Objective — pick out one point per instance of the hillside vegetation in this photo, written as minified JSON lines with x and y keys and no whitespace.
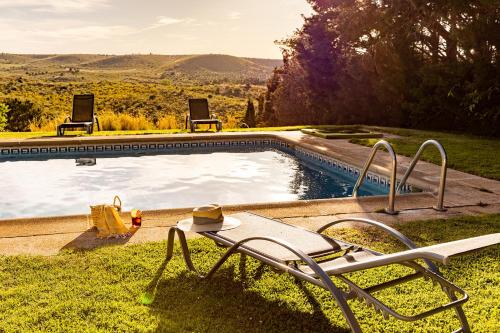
{"x":132,"y":91}
{"x":223,"y":67}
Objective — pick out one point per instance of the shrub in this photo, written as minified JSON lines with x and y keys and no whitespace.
{"x":250,"y":114}
{"x":231,"y":122}
{"x":22,"y":114}
{"x":4,"y":109}
{"x":124,"y":122}
{"x":167,"y":122}
{"x":48,"y":125}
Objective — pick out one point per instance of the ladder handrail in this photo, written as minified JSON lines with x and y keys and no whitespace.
{"x":444,"y":163}
{"x":392,"y":185}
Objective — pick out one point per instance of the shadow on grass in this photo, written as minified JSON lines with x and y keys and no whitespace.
{"x":88,"y":240}
{"x":186,"y":303}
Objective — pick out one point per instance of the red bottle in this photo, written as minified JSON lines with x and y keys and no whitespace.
{"x":136,"y":217}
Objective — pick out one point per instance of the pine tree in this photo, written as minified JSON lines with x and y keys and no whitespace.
{"x":250,"y":114}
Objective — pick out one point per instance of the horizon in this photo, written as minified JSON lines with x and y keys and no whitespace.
{"x":112,"y":27}
{"x":139,"y":54}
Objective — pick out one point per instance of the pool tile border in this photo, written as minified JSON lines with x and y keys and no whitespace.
{"x":322,"y":160}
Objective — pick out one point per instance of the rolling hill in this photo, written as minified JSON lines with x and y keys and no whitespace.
{"x":214,"y":66}
{"x":137,"y":61}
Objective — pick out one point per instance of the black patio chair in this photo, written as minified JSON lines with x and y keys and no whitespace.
{"x":200,"y":114}
{"x":83,"y":115}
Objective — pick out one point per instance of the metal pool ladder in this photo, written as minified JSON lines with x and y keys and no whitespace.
{"x":392,"y":185}
{"x":442,"y":181}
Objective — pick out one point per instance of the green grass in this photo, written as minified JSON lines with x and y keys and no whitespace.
{"x":100,"y":290}
{"x":31,"y":135}
{"x":472,"y":154}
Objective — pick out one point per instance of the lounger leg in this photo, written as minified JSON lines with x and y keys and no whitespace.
{"x":328,"y":283}
{"x":346,"y":310}
{"x":460,"y":313}
{"x":97,"y":123}
{"x":170,"y":243}
{"x":458,"y":309}
{"x":184,"y":247}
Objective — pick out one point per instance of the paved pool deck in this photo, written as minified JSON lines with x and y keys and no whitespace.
{"x":465,"y":195}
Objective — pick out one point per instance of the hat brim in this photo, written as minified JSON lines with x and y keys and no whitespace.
{"x":228,"y":223}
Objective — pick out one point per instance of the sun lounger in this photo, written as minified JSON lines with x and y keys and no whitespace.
{"x":313,"y":257}
{"x":200,"y":114}
{"x":82,"y":117}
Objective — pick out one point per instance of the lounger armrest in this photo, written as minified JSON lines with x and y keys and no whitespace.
{"x":439,"y":253}
{"x":402,"y":238}
{"x":405,"y":240}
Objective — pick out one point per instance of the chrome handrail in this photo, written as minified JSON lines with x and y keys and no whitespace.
{"x":442,"y":181}
{"x":392,"y":185}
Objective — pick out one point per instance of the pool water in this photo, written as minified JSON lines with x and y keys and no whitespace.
{"x":68,"y":186}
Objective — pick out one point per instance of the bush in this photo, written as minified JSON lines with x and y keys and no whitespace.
{"x":47,"y":125}
{"x":124,"y":122}
{"x":22,"y":115}
{"x":4,"y":109}
{"x":167,"y":122}
{"x":231,"y":122}
{"x":250,"y":114}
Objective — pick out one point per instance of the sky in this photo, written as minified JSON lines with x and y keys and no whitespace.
{"x":236,"y":27}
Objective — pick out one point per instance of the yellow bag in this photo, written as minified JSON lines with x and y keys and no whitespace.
{"x":107,"y":220}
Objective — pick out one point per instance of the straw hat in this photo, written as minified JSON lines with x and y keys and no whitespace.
{"x":208,"y":218}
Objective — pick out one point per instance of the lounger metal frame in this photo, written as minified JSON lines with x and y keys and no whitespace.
{"x":207,"y":119}
{"x":322,"y":279}
{"x":73,"y":122}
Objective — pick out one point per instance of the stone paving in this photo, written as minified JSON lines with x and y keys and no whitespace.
{"x":465,"y":195}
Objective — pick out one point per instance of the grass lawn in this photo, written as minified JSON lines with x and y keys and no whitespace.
{"x":100,"y":290}
{"x":472,"y":154}
{"x":30,"y":135}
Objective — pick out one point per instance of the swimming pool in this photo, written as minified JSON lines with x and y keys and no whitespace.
{"x":67,"y":184}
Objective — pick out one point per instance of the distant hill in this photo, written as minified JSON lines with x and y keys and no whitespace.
{"x":67,"y":59}
{"x":215,"y":66}
{"x":131,"y":61}
{"x":20,"y":59}
{"x":266,"y":62}
{"x":214,"y":63}
{"x":220,"y":66}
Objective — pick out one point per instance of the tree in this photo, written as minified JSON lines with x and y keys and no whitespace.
{"x":4,"y":109}
{"x":425,"y":64}
{"x":250,"y":114}
{"x":22,"y":113}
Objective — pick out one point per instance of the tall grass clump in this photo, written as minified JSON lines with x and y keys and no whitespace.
{"x":48,"y":125}
{"x":231,"y":122}
{"x":167,"y":122}
{"x":124,"y":122}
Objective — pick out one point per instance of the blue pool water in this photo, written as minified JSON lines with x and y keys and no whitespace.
{"x":61,"y":187}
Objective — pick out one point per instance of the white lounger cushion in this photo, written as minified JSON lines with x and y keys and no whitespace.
{"x":439,"y":253}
